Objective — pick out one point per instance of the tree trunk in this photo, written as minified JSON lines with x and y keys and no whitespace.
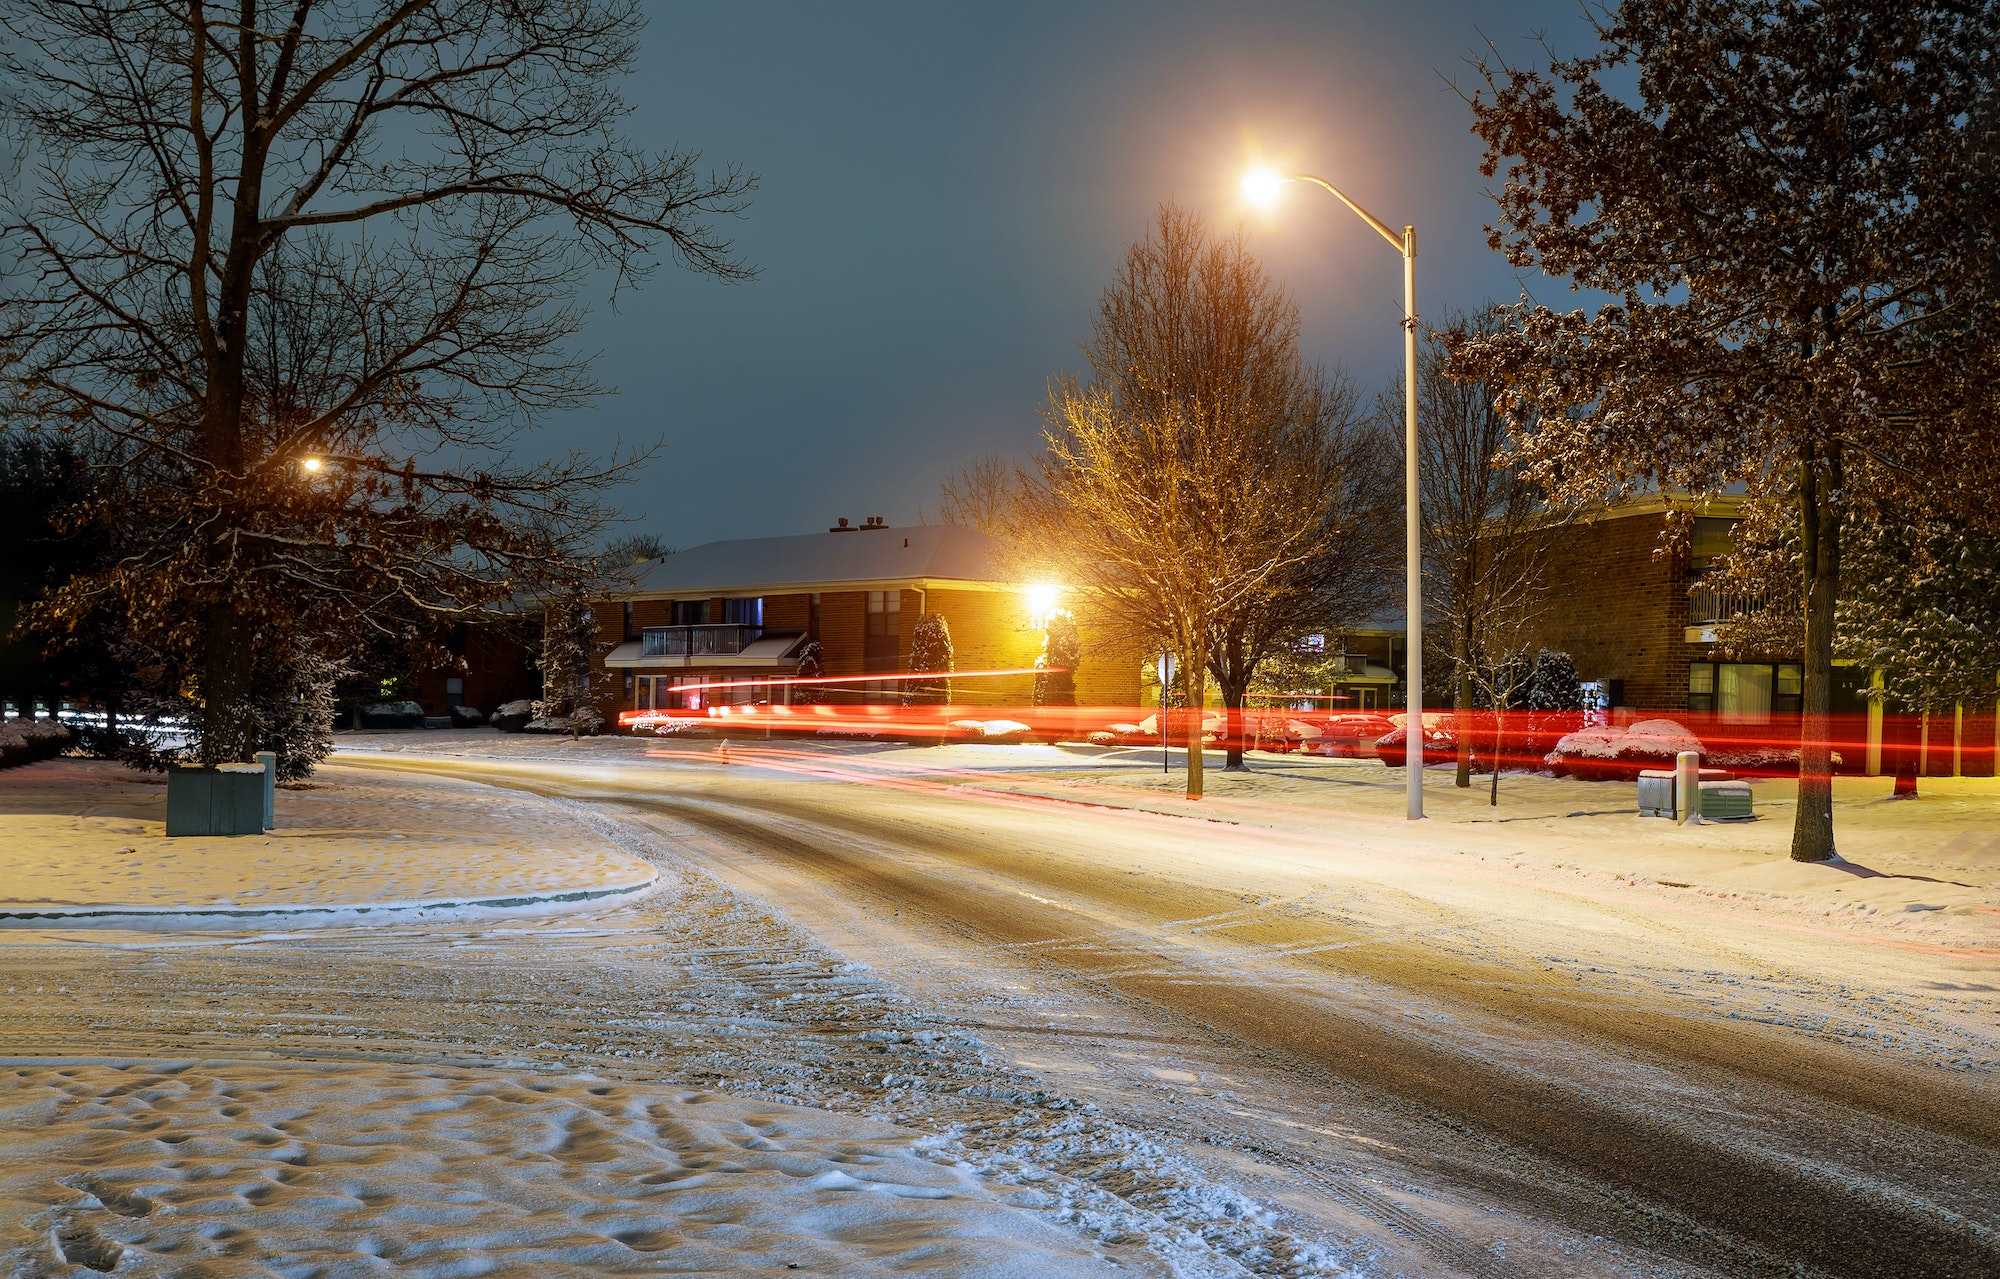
{"x":1904,"y":752}
{"x":228,"y":727}
{"x":1461,"y":708}
{"x":1192,"y":673}
{"x":1819,"y":547}
{"x":1499,"y":728}
{"x":1232,"y":702}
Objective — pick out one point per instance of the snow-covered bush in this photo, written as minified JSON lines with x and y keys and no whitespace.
{"x":513,"y":717}
{"x":1603,"y":754}
{"x":392,"y":715}
{"x":25,"y":741}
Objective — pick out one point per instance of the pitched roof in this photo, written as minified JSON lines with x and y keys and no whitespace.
{"x":823,"y":561}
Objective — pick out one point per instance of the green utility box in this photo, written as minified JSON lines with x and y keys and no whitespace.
{"x":1725,"y":802}
{"x":226,"y":800}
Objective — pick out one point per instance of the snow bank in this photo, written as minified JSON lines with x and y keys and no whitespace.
{"x":155,"y":1167}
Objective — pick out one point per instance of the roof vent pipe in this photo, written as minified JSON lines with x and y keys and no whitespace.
{"x":842,"y":527}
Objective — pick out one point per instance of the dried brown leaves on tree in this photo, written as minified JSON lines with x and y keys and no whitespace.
{"x":326,"y":230}
{"x":1205,"y":487}
{"x":1794,"y":209}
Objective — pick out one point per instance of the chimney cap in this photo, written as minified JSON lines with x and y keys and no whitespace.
{"x":842,"y":527}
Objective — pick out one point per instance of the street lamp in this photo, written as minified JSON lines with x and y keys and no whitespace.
{"x":1261,"y":187}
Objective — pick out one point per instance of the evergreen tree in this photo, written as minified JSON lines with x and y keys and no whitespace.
{"x":569,"y":634}
{"x":811,"y":659}
{"x":930,"y":651}
{"x":1055,"y":668}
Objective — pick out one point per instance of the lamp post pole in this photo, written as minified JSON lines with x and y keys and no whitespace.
{"x":1263,"y":185}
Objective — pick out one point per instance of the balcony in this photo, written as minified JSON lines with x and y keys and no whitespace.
{"x":1706,"y":607}
{"x":720,"y":640}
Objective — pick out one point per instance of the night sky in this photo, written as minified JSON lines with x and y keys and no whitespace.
{"x":945,"y":190}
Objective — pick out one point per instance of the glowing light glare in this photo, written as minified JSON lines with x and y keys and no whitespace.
{"x":1042,"y":600}
{"x":311,"y":464}
{"x":1261,"y":187}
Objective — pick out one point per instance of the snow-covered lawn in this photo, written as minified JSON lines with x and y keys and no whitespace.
{"x":85,"y":841}
{"x":176,"y":1168}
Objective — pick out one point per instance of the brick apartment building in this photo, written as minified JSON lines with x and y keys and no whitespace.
{"x":725,"y":623}
{"x":1642,"y":628}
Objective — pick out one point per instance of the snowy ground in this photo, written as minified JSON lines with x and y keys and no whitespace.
{"x":1281,"y":1032}
{"x":512,"y":1094}
{"x":301,"y":1168}
{"x":85,"y":843}
{"x":1555,"y":1038}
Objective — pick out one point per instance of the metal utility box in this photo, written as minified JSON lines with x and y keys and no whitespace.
{"x":1725,"y":802}
{"x":226,"y":800}
{"x":1656,"y":793}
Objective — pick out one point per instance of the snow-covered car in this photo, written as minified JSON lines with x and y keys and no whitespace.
{"x":1352,"y":735}
{"x":1439,"y":745}
{"x":1612,"y":753}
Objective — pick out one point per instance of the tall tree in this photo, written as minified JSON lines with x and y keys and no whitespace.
{"x":312,"y":265}
{"x":1487,"y":531}
{"x":1794,"y":207}
{"x":1201,"y":483}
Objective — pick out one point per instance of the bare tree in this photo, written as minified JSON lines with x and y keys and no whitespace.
{"x":1333,"y":477}
{"x":312,"y":265}
{"x":979,"y":495}
{"x":1487,"y":533}
{"x":1190,"y":485}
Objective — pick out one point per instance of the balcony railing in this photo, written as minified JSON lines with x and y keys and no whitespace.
{"x":1706,"y":607}
{"x":697,"y":641}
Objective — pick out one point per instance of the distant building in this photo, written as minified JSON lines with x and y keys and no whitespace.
{"x":726,"y":622}
{"x":1642,"y":629}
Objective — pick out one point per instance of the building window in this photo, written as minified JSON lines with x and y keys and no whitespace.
{"x":1788,"y":690}
{"x":1743,"y":693}
{"x":454,"y":691}
{"x":691,"y":612}
{"x":1708,"y":543}
{"x":1701,"y":686}
{"x":629,"y":632}
{"x":884,"y":634}
{"x":744,"y":612}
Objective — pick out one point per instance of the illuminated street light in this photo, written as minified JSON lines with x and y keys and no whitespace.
{"x":1042,"y":597}
{"x":311,"y":464}
{"x":1261,"y":187}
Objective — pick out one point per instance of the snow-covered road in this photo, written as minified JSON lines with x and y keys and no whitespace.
{"x":1565,"y":1080}
{"x":1249,"y":1042}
